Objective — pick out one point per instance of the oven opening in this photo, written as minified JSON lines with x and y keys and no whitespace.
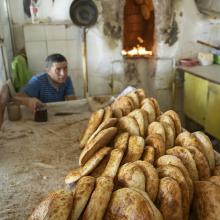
{"x":138,"y":33}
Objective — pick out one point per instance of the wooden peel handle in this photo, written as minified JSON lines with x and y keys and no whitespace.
{"x":208,"y":45}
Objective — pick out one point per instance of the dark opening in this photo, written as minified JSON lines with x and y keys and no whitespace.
{"x":138,"y":24}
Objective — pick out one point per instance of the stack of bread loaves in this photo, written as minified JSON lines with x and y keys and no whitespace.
{"x":137,"y":163}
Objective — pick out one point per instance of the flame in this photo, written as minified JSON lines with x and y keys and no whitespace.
{"x":137,"y":51}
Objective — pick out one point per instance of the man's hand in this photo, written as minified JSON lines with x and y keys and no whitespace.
{"x":30,"y":102}
{"x":33,"y":104}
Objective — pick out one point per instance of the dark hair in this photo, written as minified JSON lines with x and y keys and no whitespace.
{"x":54,"y":58}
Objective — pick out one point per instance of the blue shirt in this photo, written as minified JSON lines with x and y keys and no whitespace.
{"x":41,"y":87}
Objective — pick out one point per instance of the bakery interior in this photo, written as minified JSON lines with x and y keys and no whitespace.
{"x":142,"y":139}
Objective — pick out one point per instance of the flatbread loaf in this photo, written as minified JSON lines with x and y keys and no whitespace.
{"x":113,"y":163}
{"x":107,"y":123}
{"x":94,"y":121}
{"x":151,"y":178}
{"x":176,"y":174}
{"x":149,"y":154}
{"x":157,"y":128}
{"x":186,"y":157}
{"x":169,"y":198}
{"x":135,"y":149}
{"x":127,"y":203}
{"x":57,"y":206}
{"x":206,"y":147}
{"x":131,"y":175}
{"x":206,"y":201}
{"x":83,"y":191}
{"x":157,"y":143}
{"x":88,"y":167}
{"x":176,"y":120}
{"x":129,"y":124}
{"x":101,"y":139}
{"x":99,"y":200}
{"x":121,"y":141}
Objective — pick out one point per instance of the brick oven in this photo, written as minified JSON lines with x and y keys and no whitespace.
{"x":138,"y":29}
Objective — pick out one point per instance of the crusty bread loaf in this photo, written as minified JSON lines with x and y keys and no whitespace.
{"x":131,"y":175}
{"x":206,"y":201}
{"x":135,"y":99}
{"x":149,"y":154}
{"x":151,"y":178}
{"x":148,"y":106}
{"x":124,"y":103}
{"x":108,"y":113}
{"x":157,"y":142}
{"x":169,"y":134}
{"x":167,"y":119}
{"x":121,"y":141}
{"x":215,"y":180}
{"x":141,"y":94}
{"x":57,"y":206}
{"x":141,"y":117}
{"x":202,"y":164}
{"x":88,"y":167}
{"x":113,"y":163}
{"x":186,"y":139}
{"x":127,"y":204}
{"x":117,"y":112}
{"x":206,"y":147}
{"x":83,"y":191}
{"x":176,"y":120}
{"x":135,"y":149}
{"x":175,"y":161}
{"x":186,"y":157}
{"x":175,"y":173}
{"x":99,"y":200}
{"x":216,"y":171}
{"x":102,"y":139}
{"x":94,"y":121}
{"x":169,"y":199}
{"x":157,"y":128}
{"x":156,"y":106}
{"x":129,"y":124}
{"x":107,"y":123}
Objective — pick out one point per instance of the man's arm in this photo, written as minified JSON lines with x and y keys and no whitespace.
{"x":30,"y":102}
{"x":70,"y":94}
{"x":70,"y":97}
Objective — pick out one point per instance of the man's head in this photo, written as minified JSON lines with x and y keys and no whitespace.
{"x":56,"y":67}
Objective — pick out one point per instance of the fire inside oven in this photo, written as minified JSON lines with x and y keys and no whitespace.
{"x":138,"y":36}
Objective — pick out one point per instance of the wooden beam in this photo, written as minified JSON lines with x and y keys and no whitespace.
{"x":4,"y":97}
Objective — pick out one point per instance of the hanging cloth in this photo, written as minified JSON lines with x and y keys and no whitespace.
{"x":20,"y":72}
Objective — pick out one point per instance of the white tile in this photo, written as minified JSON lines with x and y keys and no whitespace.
{"x":73,"y":32}
{"x":34,"y":32}
{"x":77,"y":79}
{"x":99,"y":84}
{"x":74,"y":54}
{"x":18,"y":37}
{"x":55,"y":32}
{"x":58,"y":46}
{"x":36,"y":54}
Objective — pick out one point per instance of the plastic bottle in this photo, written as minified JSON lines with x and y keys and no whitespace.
{"x":34,"y":9}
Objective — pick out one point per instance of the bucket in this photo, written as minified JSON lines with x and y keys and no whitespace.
{"x":14,"y":111}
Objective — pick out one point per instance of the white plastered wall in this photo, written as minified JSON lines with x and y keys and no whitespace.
{"x":104,"y":58}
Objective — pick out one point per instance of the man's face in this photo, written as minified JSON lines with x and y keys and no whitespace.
{"x":58,"y":72}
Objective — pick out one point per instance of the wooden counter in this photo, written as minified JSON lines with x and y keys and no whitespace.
{"x":210,"y":73}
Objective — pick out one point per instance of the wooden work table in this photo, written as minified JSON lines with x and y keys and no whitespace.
{"x":35,"y":157}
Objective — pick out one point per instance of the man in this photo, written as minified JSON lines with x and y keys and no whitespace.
{"x":52,"y":86}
